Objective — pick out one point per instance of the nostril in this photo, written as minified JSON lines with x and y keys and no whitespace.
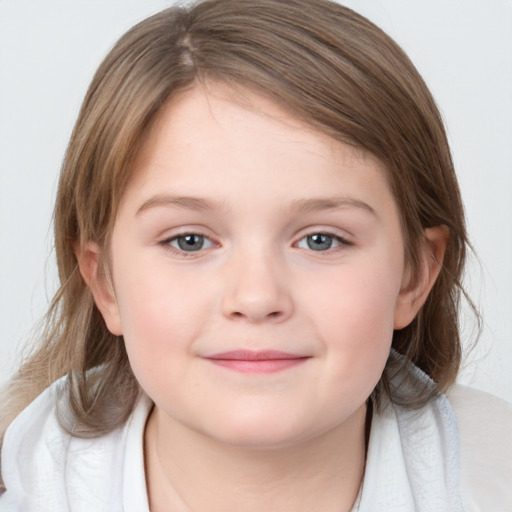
{"x":268,"y":316}
{"x":254,"y":303}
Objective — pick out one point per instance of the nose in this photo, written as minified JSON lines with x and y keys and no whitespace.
{"x":257,"y":290}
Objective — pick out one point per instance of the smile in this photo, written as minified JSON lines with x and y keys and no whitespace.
{"x":266,"y":361}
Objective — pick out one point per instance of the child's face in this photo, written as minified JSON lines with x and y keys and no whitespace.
{"x":245,"y":233}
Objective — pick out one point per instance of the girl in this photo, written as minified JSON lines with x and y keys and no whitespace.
{"x":260,"y":242}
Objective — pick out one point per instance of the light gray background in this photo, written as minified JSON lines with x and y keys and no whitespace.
{"x":49,"y":51}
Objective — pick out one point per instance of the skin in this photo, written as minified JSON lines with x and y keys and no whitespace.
{"x":259,"y":187}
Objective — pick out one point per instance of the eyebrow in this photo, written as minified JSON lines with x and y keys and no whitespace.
{"x":330,"y":203}
{"x":299,"y":205}
{"x":185,"y":202}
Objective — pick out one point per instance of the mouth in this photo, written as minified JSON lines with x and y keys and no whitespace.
{"x":264,"y":361}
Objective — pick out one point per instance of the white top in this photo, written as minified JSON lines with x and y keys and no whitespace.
{"x":450,"y":456}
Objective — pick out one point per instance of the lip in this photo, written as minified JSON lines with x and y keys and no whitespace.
{"x":262,"y":361}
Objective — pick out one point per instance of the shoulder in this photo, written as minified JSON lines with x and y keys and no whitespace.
{"x":484,"y":423}
{"x":46,"y":469}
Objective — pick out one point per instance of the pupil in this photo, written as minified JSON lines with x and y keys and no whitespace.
{"x":319,"y":242}
{"x":190,"y":242}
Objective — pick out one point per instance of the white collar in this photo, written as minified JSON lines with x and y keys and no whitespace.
{"x":413,"y":455}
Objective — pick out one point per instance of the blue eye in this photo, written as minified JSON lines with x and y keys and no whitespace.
{"x":321,"y":242}
{"x":190,"y":242}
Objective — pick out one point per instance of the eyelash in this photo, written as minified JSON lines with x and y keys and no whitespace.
{"x":341,"y":242}
{"x":167,"y":244}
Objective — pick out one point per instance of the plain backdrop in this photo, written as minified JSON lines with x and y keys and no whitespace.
{"x":49,"y":51}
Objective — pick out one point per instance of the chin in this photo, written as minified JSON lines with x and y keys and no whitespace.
{"x":265,"y":432}
{"x":262,"y":441}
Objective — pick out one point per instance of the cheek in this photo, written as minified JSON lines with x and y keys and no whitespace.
{"x":160,"y":314}
{"x":358,"y":304}
{"x":356,"y":311}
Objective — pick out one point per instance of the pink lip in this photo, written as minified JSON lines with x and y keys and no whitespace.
{"x":264,"y":361}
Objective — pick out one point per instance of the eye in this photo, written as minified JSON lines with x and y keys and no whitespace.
{"x":321,"y":242}
{"x":189,"y":242}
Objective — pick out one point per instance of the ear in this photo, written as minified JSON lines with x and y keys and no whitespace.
{"x":413,"y":296}
{"x":88,"y":257}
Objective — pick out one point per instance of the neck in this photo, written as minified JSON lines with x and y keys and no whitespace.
{"x":189,"y":472}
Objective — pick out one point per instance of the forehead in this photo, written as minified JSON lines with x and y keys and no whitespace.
{"x":231,"y":145}
{"x":200,"y":121}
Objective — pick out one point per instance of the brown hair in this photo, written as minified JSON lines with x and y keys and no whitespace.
{"x":324,"y":63}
